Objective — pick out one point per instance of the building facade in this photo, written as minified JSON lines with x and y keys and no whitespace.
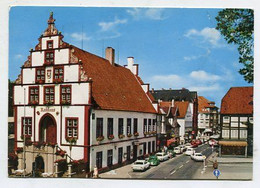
{"x":88,"y":107}
{"x":236,"y":120}
{"x":182,"y":118}
{"x":168,"y":131}
{"x":207,"y":117}
{"x":181,"y":95}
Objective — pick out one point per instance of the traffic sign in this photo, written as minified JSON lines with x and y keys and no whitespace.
{"x":216,"y":173}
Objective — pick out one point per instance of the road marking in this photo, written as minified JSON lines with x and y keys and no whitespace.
{"x":173,"y":172}
{"x":187,"y":161}
{"x":181,"y":166}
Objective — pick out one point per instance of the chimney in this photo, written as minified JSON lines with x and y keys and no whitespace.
{"x":130,"y":62}
{"x":172,"y":102}
{"x":110,"y":55}
{"x":152,"y":90}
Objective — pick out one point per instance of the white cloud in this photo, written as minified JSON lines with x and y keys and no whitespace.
{"x":208,"y":88}
{"x":148,"y":13}
{"x":208,"y":34}
{"x":106,"y":26}
{"x":200,"y":81}
{"x":204,"y":76}
{"x":189,"y":58}
{"x":79,"y":36}
{"x":18,"y":56}
{"x":193,"y":57}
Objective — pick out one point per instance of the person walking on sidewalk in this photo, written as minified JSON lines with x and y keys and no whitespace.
{"x":215,"y":164}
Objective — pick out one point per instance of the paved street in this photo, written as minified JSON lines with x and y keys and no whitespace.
{"x":180,"y":167}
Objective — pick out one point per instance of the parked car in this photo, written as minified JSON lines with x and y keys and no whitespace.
{"x":140,"y":165}
{"x":194,"y":144}
{"x":153,"y":160}
{"x":198,"y":142}
{"x":162,"y":156}
{"x":183,"y":148}
{"x":177,"y":150}
{"x":171,"y":153}
{"x":198,"y":157}
{"x":213,"y":142}
{"x":188,"y":145}
{"x":190,"y":151}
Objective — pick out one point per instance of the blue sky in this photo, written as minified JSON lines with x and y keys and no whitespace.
{"x":174,"y":47}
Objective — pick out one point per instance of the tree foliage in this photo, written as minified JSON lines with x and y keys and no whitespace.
{"x":237,"y":27}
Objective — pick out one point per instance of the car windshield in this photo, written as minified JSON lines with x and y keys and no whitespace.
{"x":176,"y":148}
{"x":159,"y":154}
{"x":139,"y":163}
{"x":199,"y":154}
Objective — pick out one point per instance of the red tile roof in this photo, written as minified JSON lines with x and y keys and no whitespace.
{"x":238,"y":100}
{"x":182,"y":107}
{"x":202,"y":104}
{"x":114,"y":87}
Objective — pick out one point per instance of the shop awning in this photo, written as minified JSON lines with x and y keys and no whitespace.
{"x":170,"y":141}
{"x":233,"y":143}
{"x":207,"y":131}
{"x":216,"y":136}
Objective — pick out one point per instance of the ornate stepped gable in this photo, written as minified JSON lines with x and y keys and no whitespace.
{"x":114,"y":87}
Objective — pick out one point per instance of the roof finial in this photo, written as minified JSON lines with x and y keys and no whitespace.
{"x":51,"y":20}
{"x":51,"y":30}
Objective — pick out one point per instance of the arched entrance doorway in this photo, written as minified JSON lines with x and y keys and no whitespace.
{"x":38,"y":166}
{"x":48,"y":128}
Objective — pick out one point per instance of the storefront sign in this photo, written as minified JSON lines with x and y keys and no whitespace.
{"x":47,"y":109}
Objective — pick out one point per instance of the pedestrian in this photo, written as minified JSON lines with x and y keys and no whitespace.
{"x":215,"y":164}
{"x":165,"y":149}
{"x":95,"y":174}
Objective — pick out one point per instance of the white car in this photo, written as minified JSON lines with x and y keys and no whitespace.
{"x":162,"y":156}
{"x":177,"y":150}
{"x":213,"y":142}
{"x":189,"y":151}
{"x":188,"y":145}
{"x":183,"y":148}
{"x":198,"y":157}
{"x":140,"y":165}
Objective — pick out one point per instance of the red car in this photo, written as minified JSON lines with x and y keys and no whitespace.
{"x":194,"y":144}
{"x":198,"y":142}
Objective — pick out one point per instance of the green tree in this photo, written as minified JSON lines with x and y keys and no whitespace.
{"x":237,"y":27}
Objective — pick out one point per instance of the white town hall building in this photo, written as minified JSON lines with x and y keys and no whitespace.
{"x":87,"y":106}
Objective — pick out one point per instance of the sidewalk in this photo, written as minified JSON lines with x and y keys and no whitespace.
{"x":121,"y":172}
{"x":229,"y":159}
{"x":230,"y":168}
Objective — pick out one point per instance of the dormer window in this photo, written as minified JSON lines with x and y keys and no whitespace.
{"x":49,"y":57}
{"x":49,"y":44}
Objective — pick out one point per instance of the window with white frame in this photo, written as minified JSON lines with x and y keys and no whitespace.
{"x":27,"y":126}
{"x":71,"y":127}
